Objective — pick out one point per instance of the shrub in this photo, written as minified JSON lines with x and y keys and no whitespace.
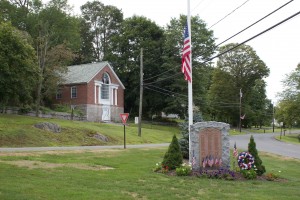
{"x":221,"y":173}
{"x":271,"y":176}
{"x":184,"y":128}
{"x":24,"y":109}
{"x":173,"y":157}
{"x":184,"y":170}
{"x":157,"y":167}
{"x":260,"y":168}
{"x":249,"y":174}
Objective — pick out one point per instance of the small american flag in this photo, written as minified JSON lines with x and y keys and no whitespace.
{"x":211,"y":161}
{"x":186,"y":56}
{"x":235,"y":151}
{"x":216,"y":162}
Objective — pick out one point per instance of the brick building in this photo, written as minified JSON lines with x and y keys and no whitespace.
{"x":95,"y":89}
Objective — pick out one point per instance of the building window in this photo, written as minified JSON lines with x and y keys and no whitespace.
{"x":73,"y":92}
{"x":105,"y":86}
{"x":59,"y":93}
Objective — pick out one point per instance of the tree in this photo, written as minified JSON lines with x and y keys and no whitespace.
{"x":185,"y":140}
{"x":18,"y":67}
{"x":136,"y":33}
{"x":102,"y":23}
{"x":173,"y":157}
{"x":52,"y":29}
{"x":288,"y":110}
{"x":203,"y":46}
{"x":257,"y":161}
{"x":238,"y":69}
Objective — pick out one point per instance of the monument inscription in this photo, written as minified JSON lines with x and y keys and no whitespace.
{"x":210,"y":145}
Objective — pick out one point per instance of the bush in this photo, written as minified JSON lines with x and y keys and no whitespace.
{"x":260,"y":168}
{"x":157,"y":167}
{"x":271,"y":176}
{"x":184,"y":141}
{"x":184,"y":170}
{"x":249,"y":174}
{"x":25,"y":109}
{"x":221,"y":173}
{"x":173,"y":157}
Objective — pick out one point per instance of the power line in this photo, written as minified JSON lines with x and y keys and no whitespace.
{"x":222,"y":53}
{"x":228,"y":14}
{"x":255,"y":23}
{"x":168,"y":91}
{"x":232,"y":35}
{"x":268,"y":29}
{"x":161,"y":73}
{"x":163,"y":79}
{"x":197,"y":5}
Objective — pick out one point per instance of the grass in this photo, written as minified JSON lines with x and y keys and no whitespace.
{"x":19,"y":131}
{"x":290,"y":138}
{"x":131,"y":178}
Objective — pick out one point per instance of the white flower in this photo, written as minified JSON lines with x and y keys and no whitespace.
{"x":279,"y":171}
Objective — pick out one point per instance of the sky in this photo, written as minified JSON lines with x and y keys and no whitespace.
{"x":279,"y":48}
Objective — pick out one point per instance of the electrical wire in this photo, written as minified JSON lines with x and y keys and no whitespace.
{"x":168,"y":91}
{"x":228,"y":14}
{"x":255,"y":23}
{"x":163,"y":79}
{"x":161,"y":73}
{"x":232,"y":35}
{"x":259,"y":34}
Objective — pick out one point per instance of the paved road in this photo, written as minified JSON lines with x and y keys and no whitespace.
{"x":267,"y":143}
{"x":264,"y":142}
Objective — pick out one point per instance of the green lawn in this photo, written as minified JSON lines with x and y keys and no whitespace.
{"x":290,"y":138}
{"x":19,"y":131}
{"x":82,"y":175}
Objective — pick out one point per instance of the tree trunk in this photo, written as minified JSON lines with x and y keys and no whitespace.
{"x":41,"y":53}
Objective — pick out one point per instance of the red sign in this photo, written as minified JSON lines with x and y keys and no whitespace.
{"x":124,"y":117}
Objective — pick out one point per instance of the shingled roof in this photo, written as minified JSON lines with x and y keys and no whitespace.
{"x":86,"y":72}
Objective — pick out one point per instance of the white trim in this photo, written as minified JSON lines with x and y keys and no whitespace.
{"x":72,"y":92}
{"x":116,"y":97}
{"x":95,"y":94}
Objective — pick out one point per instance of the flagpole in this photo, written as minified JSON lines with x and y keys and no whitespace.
{"x":190,"y":83}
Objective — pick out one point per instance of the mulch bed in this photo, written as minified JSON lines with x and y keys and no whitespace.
{"x":237,"y":176}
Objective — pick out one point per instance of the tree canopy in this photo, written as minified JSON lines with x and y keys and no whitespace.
{"x":18,"y":67}
{"x":238,"y":70}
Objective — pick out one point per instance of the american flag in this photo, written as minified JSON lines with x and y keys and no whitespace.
{"x":186,"y":56}
{"x":235,"y":151}
{"x":211,"y":161}
{"x":216,"y":162}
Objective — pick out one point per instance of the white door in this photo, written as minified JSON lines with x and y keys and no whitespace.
{"x":105,"y":113}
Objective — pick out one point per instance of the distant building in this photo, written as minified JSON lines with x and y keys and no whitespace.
{"x":95,"y":89}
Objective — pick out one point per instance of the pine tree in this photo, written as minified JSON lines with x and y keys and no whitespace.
{"x":184,"y":141}
{"x":257,"y":161}
{"x":173,"y":157}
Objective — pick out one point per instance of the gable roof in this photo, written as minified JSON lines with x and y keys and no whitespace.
{"x":86,"y":72}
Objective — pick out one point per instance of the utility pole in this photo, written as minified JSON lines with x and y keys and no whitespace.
{"x":141,"y":93}
{"x":241,"y":94}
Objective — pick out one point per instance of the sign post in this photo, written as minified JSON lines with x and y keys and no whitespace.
{"x":124,"y":117}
